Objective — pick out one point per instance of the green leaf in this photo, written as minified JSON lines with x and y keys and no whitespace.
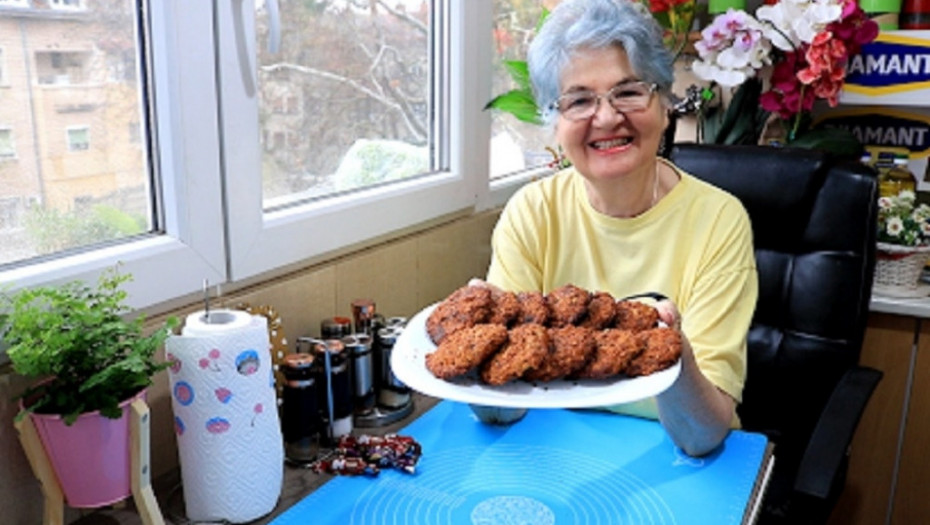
{"x":834,"y":140}
{"x":519,"y":103}
{"x":77,"y":337}
{"x":741,"y":122}
{"x":543,"y":15}
{"x":519,"y":71}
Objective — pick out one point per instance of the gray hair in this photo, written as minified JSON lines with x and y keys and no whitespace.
{"x":575,"y":25}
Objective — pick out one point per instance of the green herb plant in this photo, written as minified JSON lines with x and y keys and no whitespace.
{"x":77,"y":340}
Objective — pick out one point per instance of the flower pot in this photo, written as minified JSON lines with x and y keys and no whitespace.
{"x":897,"y":270}
{"x":91,"y":457}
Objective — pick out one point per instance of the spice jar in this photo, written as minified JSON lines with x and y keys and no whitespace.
{"x":300,"y":411}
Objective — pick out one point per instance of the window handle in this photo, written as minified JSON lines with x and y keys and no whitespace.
{"x":242,"y":48}
{"x":274,"y":26}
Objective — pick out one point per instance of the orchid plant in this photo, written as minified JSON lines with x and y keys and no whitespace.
{"x":802,"y":46}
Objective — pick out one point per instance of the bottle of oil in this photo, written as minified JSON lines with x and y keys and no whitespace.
{"x":898,"y":178}
{"x":893,"y":173}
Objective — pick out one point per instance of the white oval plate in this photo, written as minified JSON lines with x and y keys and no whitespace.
{"x":408,"y":362}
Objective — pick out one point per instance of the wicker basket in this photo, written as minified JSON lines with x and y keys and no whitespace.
{"x":897,"y":270}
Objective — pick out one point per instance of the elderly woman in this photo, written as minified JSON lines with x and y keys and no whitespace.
{"x":625,"y":221}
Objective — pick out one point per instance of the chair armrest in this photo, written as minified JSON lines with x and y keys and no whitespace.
{"x":829,"y":444}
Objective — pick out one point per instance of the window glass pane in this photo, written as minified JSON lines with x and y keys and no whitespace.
{"x":78,"y":174}
{"x":515,"y":145}
{"x":345,"y":102}
{"x":6,"y":143}
{"x":78,"y":139}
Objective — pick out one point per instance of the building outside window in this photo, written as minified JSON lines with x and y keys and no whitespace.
{"x":47,"y":73}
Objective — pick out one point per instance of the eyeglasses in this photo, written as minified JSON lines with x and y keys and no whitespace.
{"x":625,"y":98}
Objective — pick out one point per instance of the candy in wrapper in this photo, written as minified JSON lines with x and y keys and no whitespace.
{"x":368,"y":455}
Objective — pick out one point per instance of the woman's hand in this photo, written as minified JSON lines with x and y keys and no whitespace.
{"x":481,"y":283}
{"x":695,"y":413}
{"x":669,"y":314}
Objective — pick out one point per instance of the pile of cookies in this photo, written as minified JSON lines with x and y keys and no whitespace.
{"x":569,"y":333}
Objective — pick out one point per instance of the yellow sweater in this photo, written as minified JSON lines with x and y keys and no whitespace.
{"x":694,"y":246}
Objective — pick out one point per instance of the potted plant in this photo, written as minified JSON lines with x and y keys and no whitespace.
{"x":903,"y":244}
{"x":91,"y":362}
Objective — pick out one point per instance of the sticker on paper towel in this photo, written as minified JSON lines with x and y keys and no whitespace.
{"x":247,"y":362}
{"x":183,"y":393}
{"x":211,"y":362}
{"x":217,"y":425}
{"x":223,"y":395}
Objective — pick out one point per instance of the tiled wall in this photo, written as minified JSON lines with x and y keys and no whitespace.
{"x":401,"y":276}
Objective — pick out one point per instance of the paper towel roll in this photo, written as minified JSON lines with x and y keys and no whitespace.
{"x":226,"y":418}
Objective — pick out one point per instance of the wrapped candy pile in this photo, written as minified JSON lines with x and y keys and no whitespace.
{"x":368,"y":455}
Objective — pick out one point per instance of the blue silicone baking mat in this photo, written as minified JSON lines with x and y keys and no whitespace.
{"x":553,"y":467}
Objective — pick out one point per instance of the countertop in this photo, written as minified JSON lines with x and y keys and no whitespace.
{"x":916,"y":307}
{"x":298,"y":482}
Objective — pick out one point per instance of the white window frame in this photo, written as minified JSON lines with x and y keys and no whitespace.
{"x":205,"y":169}
{"x":260,"y":242}
{"x":168,"y":267}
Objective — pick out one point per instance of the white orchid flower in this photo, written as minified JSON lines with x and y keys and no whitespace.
{"x":724,"y":76}
{"x":731,"y":49}
{"x":792,"y":22}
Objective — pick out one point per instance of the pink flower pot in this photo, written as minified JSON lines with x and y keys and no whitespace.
{"x":91,"y":457}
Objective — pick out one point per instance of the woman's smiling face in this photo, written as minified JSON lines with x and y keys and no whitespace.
{"x":609,"y":144}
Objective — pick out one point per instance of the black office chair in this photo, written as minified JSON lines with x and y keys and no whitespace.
{"x":814,"y":226}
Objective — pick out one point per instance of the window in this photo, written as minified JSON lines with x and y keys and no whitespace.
{"x":113,"y":202}
{"x":7,"y":148}
{"x":369,"y":124}
{"x":67,"y":4}
{"x":11,"y":210}
{"x":78,"y":138}
{"x":364,"y":69}
{"x":64,"y":67}
{"x":379,"y":124}
{"x":515,"y":145}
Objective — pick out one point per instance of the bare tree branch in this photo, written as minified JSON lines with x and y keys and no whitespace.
{"x":412,"y":124}
{"x":420,"y":26}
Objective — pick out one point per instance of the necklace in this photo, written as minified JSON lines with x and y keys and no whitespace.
{"x":655,"y":187}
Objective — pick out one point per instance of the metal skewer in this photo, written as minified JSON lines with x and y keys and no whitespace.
{"x":206,"y":301}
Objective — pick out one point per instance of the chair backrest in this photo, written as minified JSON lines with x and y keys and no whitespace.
{"x":814,"y":225}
